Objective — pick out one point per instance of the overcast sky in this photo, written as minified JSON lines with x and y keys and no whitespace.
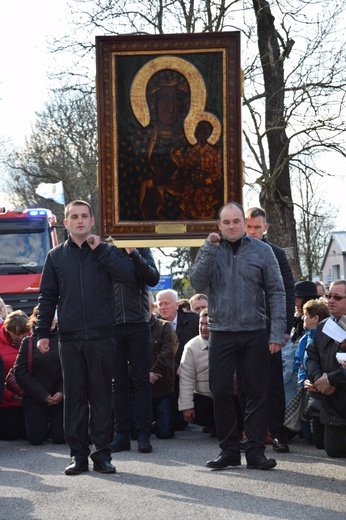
{"x":25,"y":61}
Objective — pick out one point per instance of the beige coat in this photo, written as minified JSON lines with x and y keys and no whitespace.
{"x":194,"y":372}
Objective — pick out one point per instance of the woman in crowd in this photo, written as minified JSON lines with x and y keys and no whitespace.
{"x":12,"y":330}
{"x":43,"y":387}
{"x":304,"y":291}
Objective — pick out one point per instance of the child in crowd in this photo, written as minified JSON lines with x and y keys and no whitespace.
{"x":314,"y":311}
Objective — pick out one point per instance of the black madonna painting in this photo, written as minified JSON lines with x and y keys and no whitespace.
{"x":169,"y":132}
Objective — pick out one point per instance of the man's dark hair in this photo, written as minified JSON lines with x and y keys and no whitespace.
{"x":198,"y":296}
{"x":184,"y":304}
{"x":230,"y":204}
{"x":77,"y":203}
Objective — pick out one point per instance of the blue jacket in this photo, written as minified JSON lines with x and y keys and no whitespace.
{"x":300,"y":355}
{"x":238,"y":286}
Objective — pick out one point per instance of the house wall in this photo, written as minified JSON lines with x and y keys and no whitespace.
{"x":335,"y":264}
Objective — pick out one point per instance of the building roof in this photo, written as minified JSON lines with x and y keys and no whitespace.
{"x":340,"y":238}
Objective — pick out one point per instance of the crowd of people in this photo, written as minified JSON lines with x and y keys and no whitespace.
{"x":102,"y":361}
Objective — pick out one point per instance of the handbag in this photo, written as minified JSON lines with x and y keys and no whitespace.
{"x":10,"y":381}
{"x":312,"y":405}
{"x":293,"y":411}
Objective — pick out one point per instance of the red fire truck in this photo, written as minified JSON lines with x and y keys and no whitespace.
{"x":26,"y":236}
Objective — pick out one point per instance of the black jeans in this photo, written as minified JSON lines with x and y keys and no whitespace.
{"x":162,"y":416}
{"x":335,"y":440}
{"x":87,"y":373}
{"x":44,"y":422}
{"x":318,"y":433}
{"x":132,"y":350}
{"x":12,"y":423}
{"x":276,"y":397}
{"x":249,"y":351}
{"x":204,"y":410}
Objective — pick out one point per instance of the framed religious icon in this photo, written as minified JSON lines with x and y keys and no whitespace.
{"x":169,"y":127}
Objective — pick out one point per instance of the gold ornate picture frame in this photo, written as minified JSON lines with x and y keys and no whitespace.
{"x":169,"y":129}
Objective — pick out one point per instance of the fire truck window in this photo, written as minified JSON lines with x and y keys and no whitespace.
{"x":20,"y":249}
{"x":37,"y":250}
{"x":7,"y":249}
{"x":23,"y":250}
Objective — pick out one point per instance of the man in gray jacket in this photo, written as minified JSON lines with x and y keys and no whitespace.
{"x":239,"y":272}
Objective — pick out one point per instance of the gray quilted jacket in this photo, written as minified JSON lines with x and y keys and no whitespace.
{"x":237,"y":286}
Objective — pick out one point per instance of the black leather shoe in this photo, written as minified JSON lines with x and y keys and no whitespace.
{"x":104,"y":467}
{"x":120,"y":442}
{"x":77,"y":467}
{"x":280,"y":447}
{"x":223,"y":461}
{"x":144,"y":445}
{"x":261,"y":462}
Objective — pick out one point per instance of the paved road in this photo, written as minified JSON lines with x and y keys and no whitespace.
{"x":172,"y":483}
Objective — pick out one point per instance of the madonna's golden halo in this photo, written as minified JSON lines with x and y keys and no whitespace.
{"x":196,"y":113}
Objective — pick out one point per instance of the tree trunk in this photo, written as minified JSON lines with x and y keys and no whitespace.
{"x":276,"y":197}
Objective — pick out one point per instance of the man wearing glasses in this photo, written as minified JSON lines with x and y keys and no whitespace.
{"x":328,"y":376}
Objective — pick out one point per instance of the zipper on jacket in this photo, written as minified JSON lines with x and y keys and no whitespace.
{"x":234,"y":292}
{"x":234,"y":280}
{"x":122,"y":302}
{"x":82,"y":290}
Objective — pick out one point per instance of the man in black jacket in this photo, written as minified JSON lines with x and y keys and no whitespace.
{"x":186,"y":326}
{"x":327,"y":374}
{"x":256,"y":226}
{"x":132,"y":348}
{"x":164,"y":344}
{"x":78,"y":277}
